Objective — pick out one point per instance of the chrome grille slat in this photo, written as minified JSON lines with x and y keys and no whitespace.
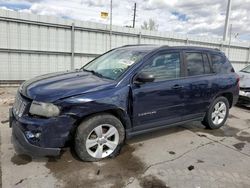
{"x":20,"y":105}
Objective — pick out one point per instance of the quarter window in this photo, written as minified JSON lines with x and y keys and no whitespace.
{"x":220,"y":64}
{"x":164,"y":66}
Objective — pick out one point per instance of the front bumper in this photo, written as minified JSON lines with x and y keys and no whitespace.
{"x":55,"y":132}
{"x":21,"y":144}
{"x":244,"y":98}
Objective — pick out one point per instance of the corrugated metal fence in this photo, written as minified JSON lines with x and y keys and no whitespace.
{"x":31,"y":45}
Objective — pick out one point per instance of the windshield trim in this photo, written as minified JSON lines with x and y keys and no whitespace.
{"x":96,"y":58}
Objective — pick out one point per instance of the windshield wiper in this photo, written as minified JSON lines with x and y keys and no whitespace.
{"x":96,"y":73}
{"x":93,"y":72}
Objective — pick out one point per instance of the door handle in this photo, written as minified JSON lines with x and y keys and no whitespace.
{"x":177,"y":86}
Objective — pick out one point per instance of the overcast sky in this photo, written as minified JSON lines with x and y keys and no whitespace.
{"x":195,"y":17}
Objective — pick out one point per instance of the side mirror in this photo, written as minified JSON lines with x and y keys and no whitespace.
{"x":144,"y":77}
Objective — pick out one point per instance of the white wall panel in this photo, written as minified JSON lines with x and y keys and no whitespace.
{"x":31,"y":45}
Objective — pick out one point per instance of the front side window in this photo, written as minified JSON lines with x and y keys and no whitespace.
{"x":164,"y":66}
{"x":112,"y":64}
{"x":194,"y":64}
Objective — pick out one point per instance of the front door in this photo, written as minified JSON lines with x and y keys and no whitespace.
{"x":159,"y":102}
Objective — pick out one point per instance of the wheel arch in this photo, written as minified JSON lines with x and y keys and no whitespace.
{"x":228,"y":96}
{"x":117,"y":112}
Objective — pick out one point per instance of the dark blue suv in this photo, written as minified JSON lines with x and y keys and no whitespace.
{"x":127,"y":91}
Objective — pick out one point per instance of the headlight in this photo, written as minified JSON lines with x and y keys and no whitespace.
{"x":243,"y":93}
{"x":44,"y":109}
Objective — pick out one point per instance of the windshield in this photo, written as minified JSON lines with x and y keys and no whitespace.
{"x":112,"y":64}
{"x":246,"y":69}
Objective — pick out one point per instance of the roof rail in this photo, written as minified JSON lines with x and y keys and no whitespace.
{"x":217,"y":49}
{"x":128,"y":45}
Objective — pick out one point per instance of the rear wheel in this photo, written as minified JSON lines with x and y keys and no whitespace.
{"x":217,"y":114}
{"x":99,"y":137}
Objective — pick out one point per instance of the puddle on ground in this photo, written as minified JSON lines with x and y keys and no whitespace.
{"x":75,"y":173}
{"x":152,"y":182}
{"x":244,"y":133}
{"x":224,"y":131}
{"x":240,"y":145}
{"x":21,"y":159}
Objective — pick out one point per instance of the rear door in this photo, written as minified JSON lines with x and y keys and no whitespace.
{"x":198,"y":85}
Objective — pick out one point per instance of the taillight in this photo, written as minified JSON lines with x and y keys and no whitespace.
{"x":238,"y":80}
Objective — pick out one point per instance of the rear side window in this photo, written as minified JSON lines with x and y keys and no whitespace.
{"x":220,"y":64}
{"x":194,"y":64}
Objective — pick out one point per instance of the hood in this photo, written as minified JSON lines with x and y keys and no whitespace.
{"x":244,"y":79}
{"x":54,"y":86}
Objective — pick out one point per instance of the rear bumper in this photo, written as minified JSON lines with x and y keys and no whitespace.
{"x":21,"y":144}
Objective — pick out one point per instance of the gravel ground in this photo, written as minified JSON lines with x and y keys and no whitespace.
{"x":184,"y":156}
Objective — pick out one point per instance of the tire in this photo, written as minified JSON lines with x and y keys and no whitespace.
{"x":98,"y":137}
{"x":212,"y":115}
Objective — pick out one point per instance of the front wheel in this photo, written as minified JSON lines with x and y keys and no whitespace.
{"x":217,"y":113}
{"x":99,"y":137}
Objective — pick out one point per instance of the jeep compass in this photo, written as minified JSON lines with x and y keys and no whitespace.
{"x":127,"y":91}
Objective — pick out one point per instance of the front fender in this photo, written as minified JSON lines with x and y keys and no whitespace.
{"x":115,"y":101}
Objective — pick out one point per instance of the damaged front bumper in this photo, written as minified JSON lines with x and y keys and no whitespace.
{"x":53,"y":134}
{"x":21,"y":144}
{"x":244,"y":97}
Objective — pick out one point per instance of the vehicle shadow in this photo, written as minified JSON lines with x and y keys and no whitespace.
{"x":155,"y":134}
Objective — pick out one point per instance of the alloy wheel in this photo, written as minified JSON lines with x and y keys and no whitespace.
{"x":219,"y":113}
{"x":102,"y":141}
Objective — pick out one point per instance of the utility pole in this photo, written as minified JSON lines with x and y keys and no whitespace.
{"x":227,"y":20}
{"x":134,"y":15}
{"x":110,"y":31}
{"x":230,"y":38}
{"x":72,"y":63}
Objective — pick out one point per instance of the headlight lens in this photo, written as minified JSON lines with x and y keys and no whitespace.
{"x":44,"y":109}
{"x":243,"y":93}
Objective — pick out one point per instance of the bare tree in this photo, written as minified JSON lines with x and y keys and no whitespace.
{"x":150,"y":25}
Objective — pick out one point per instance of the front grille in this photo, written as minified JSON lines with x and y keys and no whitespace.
{"x":246,"y":89}
{"x":20,"y":105}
